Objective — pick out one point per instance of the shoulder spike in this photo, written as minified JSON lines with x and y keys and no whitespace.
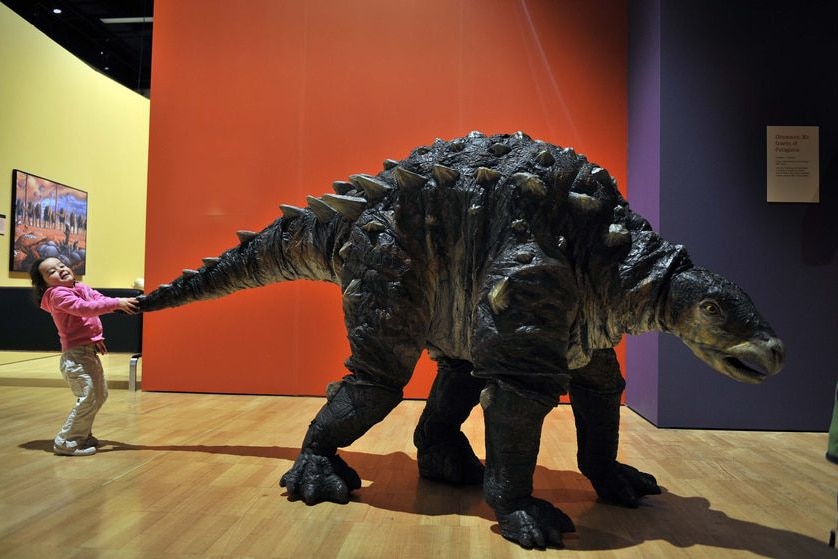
{"x":499,"y":149}
{"x":353,"y":289}
{"x":457,"y":145}
{"x":617,"y":235}
{"x":189,"y":273}
{"x":486,"y":176}
{"x":530,"y":183}
{"x":321,"y":209}
{"x":210,"y":261}
{"x":445,"y":176}
{"x":164,"y":286}
{"x":584,"y":202}
{"x":476,"y":134}
{"x":349,"y":207}
{"x":374,"y":226}
{"x":408,"y":180}
{"x":245,"y":236}
{"x":374,"y":188}
{"x":603,"y":176}
{"x":519,"y":135}
{"x":290,"y":211}
{"x":499,"y":296}
{"x":545,"y":158}
{"x":342,"y":187}
{"x":390,"y":164}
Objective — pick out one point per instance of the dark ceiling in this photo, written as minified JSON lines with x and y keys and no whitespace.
{"x":112,"y":36}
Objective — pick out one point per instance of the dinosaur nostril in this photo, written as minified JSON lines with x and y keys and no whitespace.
{"x":778,"y":353}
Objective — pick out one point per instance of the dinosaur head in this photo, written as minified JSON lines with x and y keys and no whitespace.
{"x":720,"y":324}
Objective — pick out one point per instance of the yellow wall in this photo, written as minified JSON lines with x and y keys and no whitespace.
{"x":62,"y":120}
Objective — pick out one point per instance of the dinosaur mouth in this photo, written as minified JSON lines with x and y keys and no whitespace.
{"x":746,"y":369}
{"x":748,"y":362}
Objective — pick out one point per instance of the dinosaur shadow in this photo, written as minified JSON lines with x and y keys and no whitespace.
{"x":392,"y":484}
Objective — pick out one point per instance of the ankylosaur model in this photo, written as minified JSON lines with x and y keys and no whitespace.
{"x":518,"y":266}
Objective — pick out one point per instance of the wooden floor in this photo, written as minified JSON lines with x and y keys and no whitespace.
{"x":188,"y":475}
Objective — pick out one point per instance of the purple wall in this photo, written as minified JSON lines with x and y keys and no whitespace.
{"x":768,"y":63}
{"x":644,"y":182}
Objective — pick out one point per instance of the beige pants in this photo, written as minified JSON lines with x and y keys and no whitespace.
{"x":82,"y":369}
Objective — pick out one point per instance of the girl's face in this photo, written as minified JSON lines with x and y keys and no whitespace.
{"x":55,"y":273}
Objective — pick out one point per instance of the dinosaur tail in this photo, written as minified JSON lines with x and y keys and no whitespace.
{"x":299,"y":245}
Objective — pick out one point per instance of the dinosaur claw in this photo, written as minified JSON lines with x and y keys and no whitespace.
{"x":625,"y":486}
{"x":535,"y":523}
{"x":316,"y":479}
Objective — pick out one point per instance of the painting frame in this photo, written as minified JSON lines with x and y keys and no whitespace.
{"x":49,"y":219}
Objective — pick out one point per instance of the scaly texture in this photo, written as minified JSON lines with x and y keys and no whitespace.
{"x":518,"y":265}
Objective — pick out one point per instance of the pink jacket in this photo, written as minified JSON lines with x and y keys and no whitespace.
{"x":75,"y":311}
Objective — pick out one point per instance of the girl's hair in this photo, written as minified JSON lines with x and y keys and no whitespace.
{"x":38,"y":282}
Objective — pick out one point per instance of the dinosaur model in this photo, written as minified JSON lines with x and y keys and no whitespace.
{"x":518,"y":266}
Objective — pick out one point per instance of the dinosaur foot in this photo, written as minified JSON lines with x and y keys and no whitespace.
{"x":451,"y":461}
{"x":535,"y":523}
{"x":625,"y":485}
{"x":316,"y":479}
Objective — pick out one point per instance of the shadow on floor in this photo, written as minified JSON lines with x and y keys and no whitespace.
{"x":681,"y":521}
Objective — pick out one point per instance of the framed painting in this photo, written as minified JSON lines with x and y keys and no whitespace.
{"x":49,"y":219}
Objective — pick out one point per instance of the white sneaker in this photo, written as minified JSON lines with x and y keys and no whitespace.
{"x":63,"y":451}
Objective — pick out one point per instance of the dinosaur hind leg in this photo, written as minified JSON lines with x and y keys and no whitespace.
{"x":444,"y":453}
{"x":319,"y":474}
{"x":384,"y":335}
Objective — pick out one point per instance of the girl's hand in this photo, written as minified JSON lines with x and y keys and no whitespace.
{"x":129,"y":305}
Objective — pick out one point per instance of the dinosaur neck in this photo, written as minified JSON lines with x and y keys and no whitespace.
{"x":640,"y":283}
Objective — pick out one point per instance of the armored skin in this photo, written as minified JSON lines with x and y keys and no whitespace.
{"x":518,"y":265}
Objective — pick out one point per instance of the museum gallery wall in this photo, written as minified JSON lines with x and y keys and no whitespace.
{"x":257,"y":109}
{"x":697,"y":153}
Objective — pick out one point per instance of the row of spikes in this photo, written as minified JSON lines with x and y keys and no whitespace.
{"x":210,"y":261}
{"x":459,"y":145}
{"x":348,"y":202}
{"x":350,"y":205}
{"x":617,"y":233}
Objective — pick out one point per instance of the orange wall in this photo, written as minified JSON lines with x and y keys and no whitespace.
{"x":260,"y":107}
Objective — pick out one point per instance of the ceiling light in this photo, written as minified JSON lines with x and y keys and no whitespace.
{"x":56,"y":10}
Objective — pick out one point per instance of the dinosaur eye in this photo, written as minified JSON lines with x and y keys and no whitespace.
{"x":710,"y":308}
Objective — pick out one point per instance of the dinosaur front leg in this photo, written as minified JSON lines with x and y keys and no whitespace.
{"x":513,"y":434}
{"x":444,"y":453}
{"x":595,"y":399}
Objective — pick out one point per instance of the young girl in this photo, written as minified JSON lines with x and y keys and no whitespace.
{"x":75,"y":309}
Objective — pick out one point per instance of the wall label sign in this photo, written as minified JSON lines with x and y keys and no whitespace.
{"x":793,"y":164}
